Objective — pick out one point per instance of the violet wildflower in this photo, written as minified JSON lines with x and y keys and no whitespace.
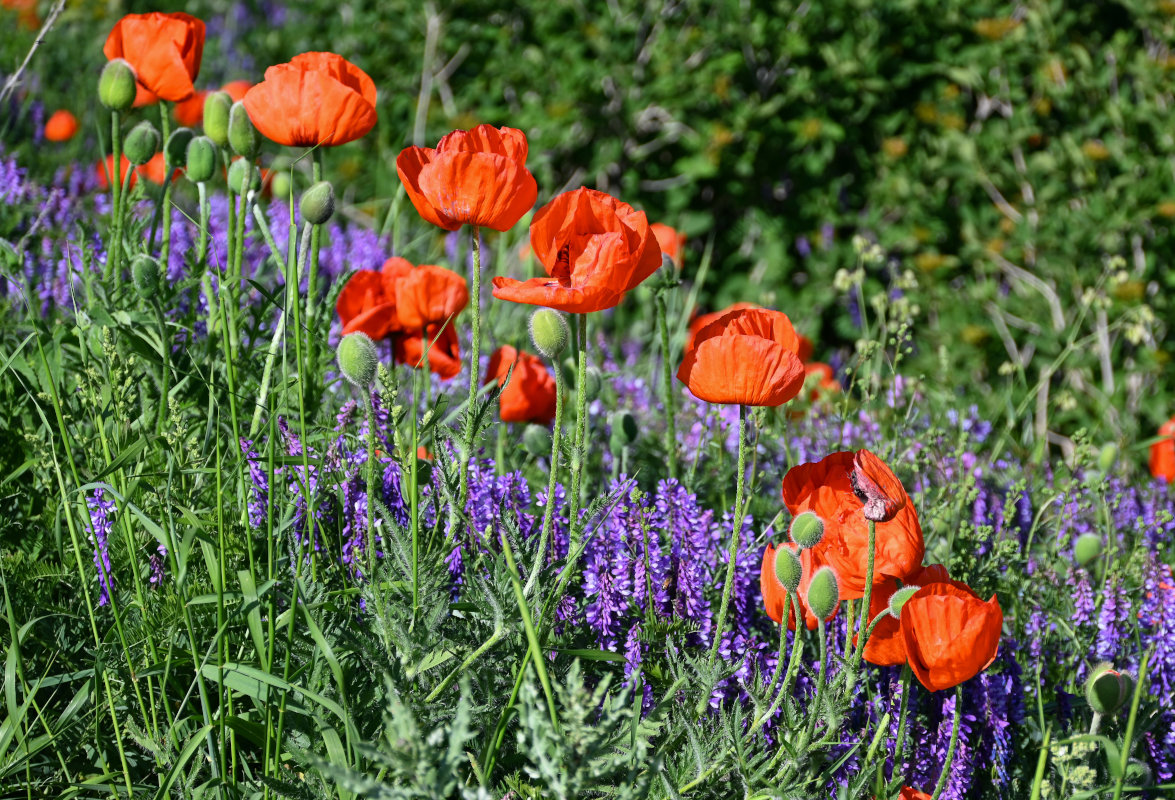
{"x":101,"y":525}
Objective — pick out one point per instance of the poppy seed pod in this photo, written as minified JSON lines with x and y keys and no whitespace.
{"x":898,"y":599}
{"x":175,"y":151}
{"x":217,"y":107}
{"x":141,"y":143}
{"x":201,"y":159}
{"x":242,"y":136}
{"x":788,"y":568}
{"x":537,"y":440}
{"x":548,"y":332}
{"x":358,"y":359}
{"x":1107,"y":690}
{"x":117,"y":86}
{"x":624,"y":428}
{"x":1087,"y":548}
{"x":318,"y":203}
{"x":807,"y":530}
{"x":236,"y":177}
{"x":145,"y":276}
{"x":592,"y":384}
{"x":823,"y":592}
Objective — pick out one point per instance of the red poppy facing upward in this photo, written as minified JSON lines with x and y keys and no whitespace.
{"x":594,"y":250}
{"x":474,"y":177}
{"x":744,"y":357}
{"x":317,"y":99}
{"x":164,"y":49}
{"x":530,"y":394}
{"x":702,"y":320}
{"x":1162,"y":461}
{"x":61,"y":127}
{"x":950,"y":635}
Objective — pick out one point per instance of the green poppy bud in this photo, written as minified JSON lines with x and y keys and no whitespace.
{"x":548,"y":332}
{"x":318,"y":203}
{"x":593,"y":383}
{"x":217,"y":107}
{"x":175,"y":151}
{"x":281,"y":185}
{"x":358,"y":359}
{"x":1106,"y":457}
{"x":807,"y":530}
{"x":624,"y":427}
{"x":242,"y":136}
{"x":145,"y":274}
{"x":1138,"y":773}
{"x":1087,"y":548}
{"x":236,"y":176}
{"x":141,"y":144}
{"x":898,"y":599}
{"x":788,"y":568}
{"x":823,"y":593}
{"x":117,"y":86}
{"x":1107,"y":690}
{"x":537,"y":440}
{"x":201,"y":159}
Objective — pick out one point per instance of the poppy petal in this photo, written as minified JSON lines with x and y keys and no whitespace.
{"x":482,"y":189}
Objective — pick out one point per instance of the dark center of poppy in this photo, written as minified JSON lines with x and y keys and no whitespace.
{"x":562,"y":269}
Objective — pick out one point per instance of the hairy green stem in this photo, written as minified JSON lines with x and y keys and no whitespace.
{"x":899,"y":767}
{"x":474,"y":367}
{"x":114,"y":250}
{"x":945,"y":776}
{"x":531,"y":634}
{"x":667,"y":386}
{"x":369,"y":407}
{"x":735,"y":539}
{"x":549,"y":510}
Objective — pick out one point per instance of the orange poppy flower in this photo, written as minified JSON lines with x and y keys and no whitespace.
{"x":429,"y":295}
{"x":61,"y":126}
{"x":821,"y":378}
{"x":237,"y":89}
{"x":746,"y":357}
{"x":144,"y":96}
{"x":671,"y":241}
{"x":773,"y":591}
{"x":317,"y":99}
{"x":444,"y":353}
{"x":105,"y":168}
{"x":164,"y":49}
{"x":910,"y":793}
{"x":1162,"y":461}
{"x":877,"y":487}
{"x":26,"y":12}
{"x":593,"y":247}
{"x":155,"y":170}
{"x":805,"y":351}
{"x":824,"y":487}
{"x":190,"y":112}
{"x":530,"y":395}
{"x":475,"y":177}
{"x":884,"y":647}
{"x":368,"y":302}
{"x":950,"y":635}
{"x":702,"y":320}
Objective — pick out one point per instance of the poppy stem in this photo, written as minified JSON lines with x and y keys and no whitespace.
{"x":735,"y":536}
{"x":863,"y":633}
{"x":115,"y":177}
{"x":474,"y":369}
{"x":549,"y":511}
{"x":762,"y":720}
{"x":793,"y":667}
{"x":413,"y":458}
{"x":577,"y":456}
{"x":821,"y":680}
{"x":898,"y":776}
{"x":667,"y":385}
{"x":369,"y":407}
{"x":202,"y":255}
{"x":945,"y":775}
{"x":312,"y":279}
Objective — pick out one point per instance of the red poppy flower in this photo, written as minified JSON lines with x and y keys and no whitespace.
{"x":190,"y":112}
{"x":950,"y":635}
{"x":368,"y":302}
{"x":885,"y":647}
{"x":773,"y":591}
{"x":702,"y":320}
{"x":671,"y":241}
{"x":530,"y":395}
{"x":144,"y":96}
{"x":910,"y":793}
{"x":824,"y":487}
{"x":820,"y":379}
{"x":877,"y":487}
{"x":237,"y":89}
{"x":1162,"y":461}
{"x":594,"y":249}
{"x":444,"y":353}
{"x":164,"y":49}
{"x":746,"y":357}
{"x":61,"y":127}
{"x":105,"y":168}
{"x":26,"y":11}
{"x":429,"y":295}
{"x":805,"y":351}
{"x":474,"y":177}
{"x":155,"y":170}
{"x":317,"y":99}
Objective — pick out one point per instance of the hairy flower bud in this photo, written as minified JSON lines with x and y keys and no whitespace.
{"x":201,"y":159}
{"x":788,"y":568}
{"x":116,"y":87}
{"x":807,"y":530}
{"x":281,"y":185}
{"x":217,"y":107}
{"x":624,"y":427}
{"x":592,"y":384}
{"x":898,"y":599}
{"x":145,"y":275}
{"x":242,"y":136}
{"x":175,"y":150}
{"x":823,"y":593}
{"x":141,"y":144}
{"x":236,"y":177}
{"x":548,"y":332}
{"x":1107,"y":690}
{"x":318,"y":203}
{"x":358,"y":359}
{"x":537,"y":440}
{"x":1087,"y":548}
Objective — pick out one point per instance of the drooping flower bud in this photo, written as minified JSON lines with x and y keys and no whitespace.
{"x":548,"y":332}
{"x":788,"y":568}
{"x":175,"y":151}
{"x":141,"y":144}
{"x":358,"y":359}
{"x":242,"y":136}
{"x":201,"y":159}
{"x":217,"y":107}
{"x":807,"y":530}
{"x":537,"y":440}
{"x":116,"y":87}
{"x":1087,"y":548}
{"x":1107,"y":690}
{"x":318,"y":203}
{"x":281,"y":185}
{"x":823,"y":593}
{"x":898,"y":599}
{"x":145,"y":274}
{"x":236,"y":177}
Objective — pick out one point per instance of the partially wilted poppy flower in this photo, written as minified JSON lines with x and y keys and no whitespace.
{"x":702,"y":320}
{"x":367,"y":303}
{"x":1162,"y":460}
{"x":744,"y":357}
{"x":774,"y":592}
{"x":877,"y":487}
{"x":444,"y":352}
{"x":885,"y":647}
{"x":317,"y":99}
{"x":61,"y":126}
{"x":824,"y":487}
{"x":429,"y":295}
{"x":475,"y":177}
{"x":164,"y":49}
{"x":530,"y":395}
{"x":950,"y":635}
{"x":593,"y":247}
{"x":670,"y":240}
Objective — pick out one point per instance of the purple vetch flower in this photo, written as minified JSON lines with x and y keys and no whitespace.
{"x":158,"y":558}
{"x":259,"y":491}
{"x":1083,"y":599}
{"x":1113,"y":614}
{"x":101,"y":525}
